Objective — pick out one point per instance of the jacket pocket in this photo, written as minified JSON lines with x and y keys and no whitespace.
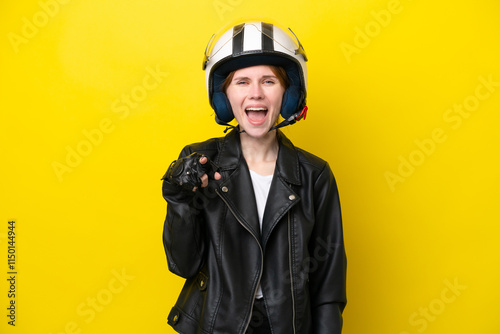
{"x":191,"y":303}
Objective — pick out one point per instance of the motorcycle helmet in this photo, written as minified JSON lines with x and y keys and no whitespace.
{"x":256,"y":43}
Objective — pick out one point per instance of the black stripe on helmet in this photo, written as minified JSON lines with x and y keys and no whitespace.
{"x":238,"y":33}
{"x":267,"y":37}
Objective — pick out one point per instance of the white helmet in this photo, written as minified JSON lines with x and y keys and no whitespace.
{"x":250,"y":44}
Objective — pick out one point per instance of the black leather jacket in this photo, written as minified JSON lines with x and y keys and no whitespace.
{"x":212,"y":238}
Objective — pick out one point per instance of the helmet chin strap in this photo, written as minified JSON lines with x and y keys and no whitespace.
{"x":292,"y":119}
{"x":289,"y":121}
{"x":228,"y":126}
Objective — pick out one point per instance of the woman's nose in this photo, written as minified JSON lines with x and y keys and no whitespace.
{"x":256,"y":91}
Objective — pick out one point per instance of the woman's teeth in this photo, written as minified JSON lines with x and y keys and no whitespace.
{"x":256,"y":115}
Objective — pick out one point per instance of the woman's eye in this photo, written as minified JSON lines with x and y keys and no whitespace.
{"x":269,"y":82}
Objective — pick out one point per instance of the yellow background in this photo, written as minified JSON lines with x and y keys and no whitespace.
{"x":90,"y":254}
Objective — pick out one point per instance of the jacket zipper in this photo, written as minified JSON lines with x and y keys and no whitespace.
{"x":291,"y":271}
{"x":261,"y":258}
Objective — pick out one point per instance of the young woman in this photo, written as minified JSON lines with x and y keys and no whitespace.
{"x":253,"y":222}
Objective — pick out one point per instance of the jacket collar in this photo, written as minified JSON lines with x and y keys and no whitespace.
{"x":287,"y":165}
{"x":236,"y":185}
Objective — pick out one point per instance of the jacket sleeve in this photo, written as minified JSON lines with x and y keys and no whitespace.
{"x":328,"y":280}
{"x":183,"y":235}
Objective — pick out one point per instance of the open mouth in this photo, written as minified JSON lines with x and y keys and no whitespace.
{"x":256,"y":115}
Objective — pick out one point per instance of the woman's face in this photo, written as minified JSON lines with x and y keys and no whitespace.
{"x":255,"y":95}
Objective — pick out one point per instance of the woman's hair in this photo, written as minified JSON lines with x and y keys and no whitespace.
{"x":278,"y":71}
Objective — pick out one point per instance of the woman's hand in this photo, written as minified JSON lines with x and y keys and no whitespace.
{"x":192,"y":172}
{"x":204,"y":178}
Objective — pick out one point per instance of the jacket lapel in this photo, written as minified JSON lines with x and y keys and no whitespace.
{"x":281,"y":196}
{"x":236,"y":184}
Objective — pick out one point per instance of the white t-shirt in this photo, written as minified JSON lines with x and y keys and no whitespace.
{"x":261,"y":186}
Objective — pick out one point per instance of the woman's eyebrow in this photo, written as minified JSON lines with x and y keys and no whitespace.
{"x":263,"y":77}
